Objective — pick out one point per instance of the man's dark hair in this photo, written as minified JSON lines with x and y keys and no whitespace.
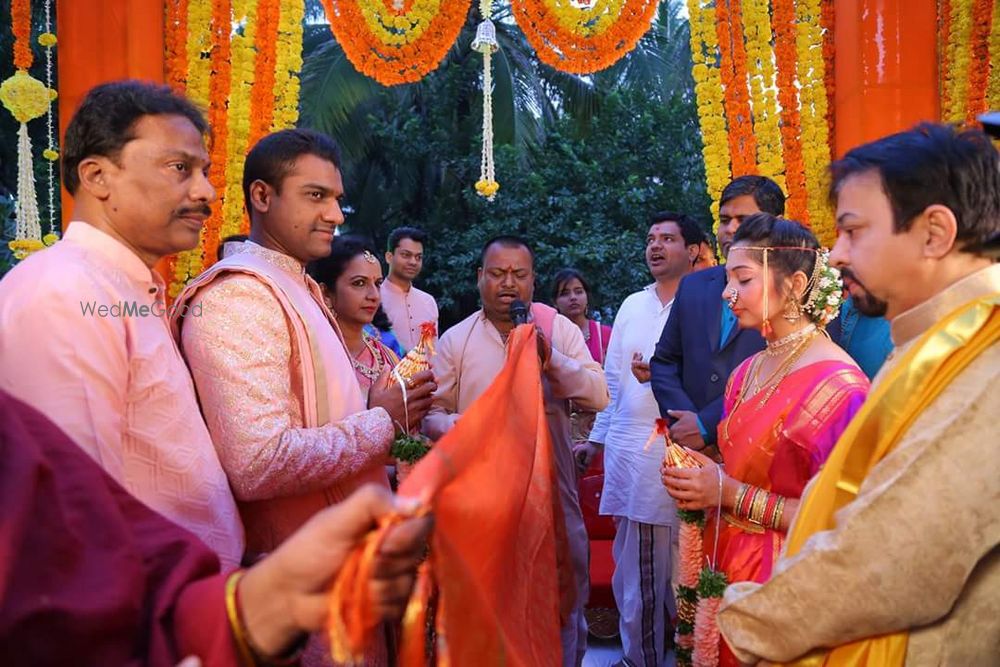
{"x":506,"y":241}
{"x":400,"y":233}
{"x":274,"y":156}
{"x":691,"y":231}
{"x":105,"y":121}
{"x":933,"y":164}
{"x":767,"y":193}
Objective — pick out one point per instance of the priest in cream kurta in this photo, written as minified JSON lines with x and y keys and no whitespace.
{"x":917,"y":550}
{"x":469,"y":356}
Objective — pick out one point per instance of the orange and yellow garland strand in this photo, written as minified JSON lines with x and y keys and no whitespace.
{"x":815,"y":138}
{"x":582,"y":39}
{"x":733,"y":64}
{"x":969,"y":43}
{"x":396,"y":42}
{"x":708,"y":89}
{"x":239,"y":60}
{"x":760,"y":69}
{"x":766,"y":67}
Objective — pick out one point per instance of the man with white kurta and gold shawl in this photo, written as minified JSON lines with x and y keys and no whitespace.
{"x":469,"y":356}
{"x":893,"y":556}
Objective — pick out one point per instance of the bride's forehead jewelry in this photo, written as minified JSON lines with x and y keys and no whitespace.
{"x":370,"y":258}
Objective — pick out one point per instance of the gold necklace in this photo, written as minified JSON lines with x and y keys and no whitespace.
{"x":778,"y":347}
{"x":772,"y":382}
{"x":371,"y":372}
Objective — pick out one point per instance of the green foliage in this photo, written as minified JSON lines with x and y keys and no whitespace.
{"x":711,"y":583}
{"x":696,"y":517}
{"x":582,"y":161}
{"x":409,"y":448}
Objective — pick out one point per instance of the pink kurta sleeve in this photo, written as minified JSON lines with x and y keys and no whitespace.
{"x":70,"y":366}
{"x":444,"y":409}
{"x":240,"y":354}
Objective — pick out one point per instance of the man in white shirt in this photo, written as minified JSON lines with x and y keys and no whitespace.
{"x":644,"y":514}
{"x":407,"y":306}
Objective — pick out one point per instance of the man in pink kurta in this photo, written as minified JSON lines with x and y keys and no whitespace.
{"x":83,"y":333}
{"x":407,"y":306}
{"x":274,"y":379}
{"x":470,"y":355}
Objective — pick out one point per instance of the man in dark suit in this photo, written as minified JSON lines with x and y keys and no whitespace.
{"x":701,"y":343}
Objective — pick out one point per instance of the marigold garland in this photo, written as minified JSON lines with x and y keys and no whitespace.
{"x":828,"y":23}
{"x":993,"y":89}
{"x":288,"y":64}
{"x":405,"y":44}
{"x":783,"y":25}
{"x":760,"y":69}
{"x":979,"y":72}
{"x":815,"y":139}
{"x":241,"y":84}
{"x":218,"y":120}
{"x":175,"y":43}
{"x":733,"y":66}
{"x":562,"y":40}
{"x":20,"y":18}
{"x":958,"y":54}
{"x":708,"y":91}
{"x":261,"y":96}
{"x":944,"y":57}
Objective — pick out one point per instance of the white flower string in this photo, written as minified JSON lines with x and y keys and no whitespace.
{"x":50,"y":154}
{"x":486,"y":43}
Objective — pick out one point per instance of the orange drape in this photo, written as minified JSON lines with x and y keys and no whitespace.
{"x":885,"y":68}
{"x":498,"y":541}
{"x":104,"y":40}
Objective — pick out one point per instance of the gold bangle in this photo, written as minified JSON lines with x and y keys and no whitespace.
{"x":779,"y":509}
{"x":759,"y":503}
{"x":742,"y":491}
{"x":235,"y":624}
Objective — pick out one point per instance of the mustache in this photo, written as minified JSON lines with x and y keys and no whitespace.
{"x":204,"y":210}
{"x":853,"y":277}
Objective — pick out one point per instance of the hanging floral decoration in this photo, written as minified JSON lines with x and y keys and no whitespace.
{"x":815,"y":136}
{"x":27,"y":98}
{"x":969,"y":43}
{"x":396,"y":41}
{"x":583,"y":37}
{"x":733,"y":66}
{"x":240,"y":61}
{"x":781,"y":51}
{"x":486,"y":44}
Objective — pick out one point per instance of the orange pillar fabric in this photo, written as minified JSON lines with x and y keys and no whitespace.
{"x":104,"y":40}
{"x":885,"y":68}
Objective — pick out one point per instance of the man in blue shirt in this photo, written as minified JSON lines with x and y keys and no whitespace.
{"x":701,"y":343}
{"x":861,"y":329}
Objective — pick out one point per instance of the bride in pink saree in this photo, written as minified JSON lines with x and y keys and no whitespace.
{"x":785,"y":407}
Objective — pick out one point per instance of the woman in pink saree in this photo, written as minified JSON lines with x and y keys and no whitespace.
{"x":785,"y":407}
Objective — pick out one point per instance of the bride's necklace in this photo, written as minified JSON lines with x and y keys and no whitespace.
{"x":780,"y":347}
{"x":370,"y":372}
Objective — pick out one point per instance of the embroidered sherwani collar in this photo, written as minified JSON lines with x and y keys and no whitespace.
{"x":914,"y":322}
{"x":274,"y":258}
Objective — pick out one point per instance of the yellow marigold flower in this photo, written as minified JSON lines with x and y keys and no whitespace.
{"x":50,"y":238}
{"x":50,"y":155}
{"x":47,"y":39}
{"x":24,"y":96}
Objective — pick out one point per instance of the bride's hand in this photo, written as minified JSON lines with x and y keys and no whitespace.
{"x":693,"y":488}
